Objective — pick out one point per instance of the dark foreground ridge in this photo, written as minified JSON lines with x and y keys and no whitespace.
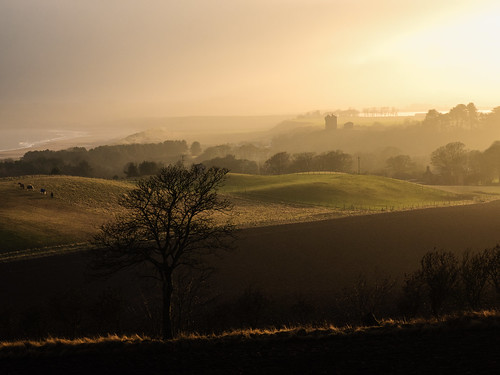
{"x":467,"y":344}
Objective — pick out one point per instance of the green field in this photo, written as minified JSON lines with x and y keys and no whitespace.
{"x":340,"y":191}
{"x":30,"y":220}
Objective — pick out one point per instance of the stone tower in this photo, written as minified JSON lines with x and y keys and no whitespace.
{"x":331,"y":122}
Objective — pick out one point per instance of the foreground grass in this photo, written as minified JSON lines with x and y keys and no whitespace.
{"x":466,"y":343}
{"x":468,"y":320}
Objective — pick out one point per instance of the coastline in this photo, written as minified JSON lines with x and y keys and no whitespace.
{"x":79,"y":139}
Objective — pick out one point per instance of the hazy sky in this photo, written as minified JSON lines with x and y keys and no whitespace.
{"x":118,"y":58}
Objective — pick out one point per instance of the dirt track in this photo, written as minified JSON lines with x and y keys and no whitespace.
{"x":297,"y":258}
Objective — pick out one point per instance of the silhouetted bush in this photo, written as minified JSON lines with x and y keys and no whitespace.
{"x":492,"y":257}
{"x":473,"y":277}
{"x":251,"y":308}
{"x":439,"y":274}
{"x":411,"y":301}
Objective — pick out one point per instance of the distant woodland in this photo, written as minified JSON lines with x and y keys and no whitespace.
{"x":102,"y":161}
{"x":433,"y":150}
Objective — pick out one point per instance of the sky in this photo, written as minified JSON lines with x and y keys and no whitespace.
{"x":104,"y":59}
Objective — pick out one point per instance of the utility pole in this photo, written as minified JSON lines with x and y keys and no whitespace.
{"x":359,"y":165}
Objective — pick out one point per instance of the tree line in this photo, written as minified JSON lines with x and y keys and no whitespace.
{"x":460,"y":117}
{"x":452,"y":164}
{"x":455,"y":165}
{"x":446,"y":283}
{"x":102,"y":161}
{"x":283,"y":162}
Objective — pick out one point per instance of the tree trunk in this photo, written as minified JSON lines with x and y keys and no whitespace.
{"x":167,"y":329}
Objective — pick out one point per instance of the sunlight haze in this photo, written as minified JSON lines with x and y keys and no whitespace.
{"x":83,"y":60}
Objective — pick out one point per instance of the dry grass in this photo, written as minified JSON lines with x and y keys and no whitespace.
{"x":482,"y":320}
{"x":465,"y":344}
{"x":31,"y":220}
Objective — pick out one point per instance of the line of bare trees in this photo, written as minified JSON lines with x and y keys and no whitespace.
{"x":447,"y":283}
{"x":444,"y":283}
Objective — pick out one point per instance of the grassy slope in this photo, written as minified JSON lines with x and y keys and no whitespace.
{"x":29,"y":219}
{"x":80,"y":205}
{"x":338,"y":190}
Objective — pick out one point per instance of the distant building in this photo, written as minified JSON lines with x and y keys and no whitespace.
{"x":331,"y":122}
{"x":349,"y":125}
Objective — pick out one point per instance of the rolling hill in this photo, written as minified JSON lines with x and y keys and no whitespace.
{"x":29,"y":219}
{"x":338,"y":191}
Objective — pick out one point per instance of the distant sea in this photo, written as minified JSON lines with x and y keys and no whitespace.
{"x":15,"y":139}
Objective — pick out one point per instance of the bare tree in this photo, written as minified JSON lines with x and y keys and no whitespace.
{"x":168,"y":223}
{"x":473,"y":275}
{"x":492,"y":257}
{"x":411,"y":299}
{"x":439,"y":274}
{"x":367,"y":296}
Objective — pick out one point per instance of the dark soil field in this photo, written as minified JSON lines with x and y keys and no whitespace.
{"x":328,"y":254}
{"x":294,"y":258}
{"x":309,"y":259}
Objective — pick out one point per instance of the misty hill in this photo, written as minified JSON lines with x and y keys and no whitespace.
{"x":414,"y":135}
{"x":411,"y":140}
{"x":205,"y":129}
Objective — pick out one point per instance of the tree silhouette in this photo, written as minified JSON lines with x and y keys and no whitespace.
{"x":451,"y":160}
{"x":459,"y":115}
{"x":400,"y":165}
{"x":278,"y":163}
{"x":439,"y":274}
{"x":473,"y":275}
{"x":168,"y":223}
{"x":131,"y":170}
{"x":195,"y":148}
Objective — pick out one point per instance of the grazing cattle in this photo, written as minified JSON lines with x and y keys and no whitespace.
{"x":43,"y":191}
{"x":21,"y":185}
{"x":29,"y":187}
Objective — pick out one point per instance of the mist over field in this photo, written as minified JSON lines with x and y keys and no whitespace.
{"x":267,"y":186}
